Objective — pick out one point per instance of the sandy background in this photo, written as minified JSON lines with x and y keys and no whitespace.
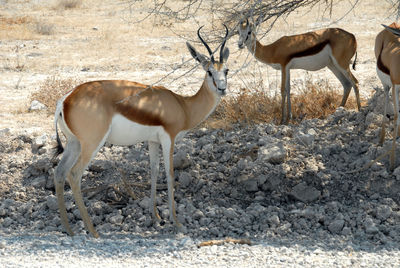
{"x":102,"y":40}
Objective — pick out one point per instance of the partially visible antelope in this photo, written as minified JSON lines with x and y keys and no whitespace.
{"x":312,"y":51}
{"x":387,"y":53}
{"x":124,"y":113}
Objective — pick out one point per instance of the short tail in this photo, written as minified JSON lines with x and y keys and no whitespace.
{"x":355,"y":62}
{"x":59,"y":149}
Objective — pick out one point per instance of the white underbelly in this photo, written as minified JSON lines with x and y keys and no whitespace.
{"x":126,"y":132}
{"x":313,"y":62}
{"x":385,"y":78}
{"x":276,"y":66}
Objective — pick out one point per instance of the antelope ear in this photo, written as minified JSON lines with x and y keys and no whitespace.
{"x":392,"y":30}
{"x":225,"y":54}
{"x":260,"y":19}
{"x":198,"y":56}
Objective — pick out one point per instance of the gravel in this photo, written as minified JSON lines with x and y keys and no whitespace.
{"x":126,"y":250}
{"x":288,"y":189}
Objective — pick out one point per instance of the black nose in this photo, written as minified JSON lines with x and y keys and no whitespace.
{"x":241,"y":46}
{"x":222,"y":90}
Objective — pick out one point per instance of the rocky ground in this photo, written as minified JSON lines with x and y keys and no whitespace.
{"x":290,"y":191}
{"x":281,"y":184}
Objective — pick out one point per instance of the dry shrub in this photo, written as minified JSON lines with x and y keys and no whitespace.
{"x":316,"y":100}
{"x":52,"y":90}
{"x":44,"y":28}
{"x":68,"y":4}
{"x":246,"y":108}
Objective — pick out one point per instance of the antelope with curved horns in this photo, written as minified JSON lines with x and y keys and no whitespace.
{"x":312,"y":51}
{"x":124,"y":113}
{"x":387,"y":53}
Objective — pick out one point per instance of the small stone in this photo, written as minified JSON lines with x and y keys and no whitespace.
{"x":383,"y":212}
{"x":204,"y":221}
{"x":52,"y":203}
{"x":305,"y":193}
{"x":336,"y":226}
{"x":273,"y":153}
{"x":97,"y":166}
{"x":251,"y":185}
{"x":181,"y":160}
{"x":145,"y":203}
{"x":186,"y":242}
{"x":165,"y":213}
{"x":198,"y":214}
{"x":370,"y":227}
{"x":306,"y":139}
{"x":396,"y":172}
{"x":37,"y":106}
{"x":226,"y":156}
{"x":274,"y":219}
{"x":39,"y":142}
{"x":117,"y":219}
{"x":373,"y":119}
{"x":39,"y":182}
{"x":49,"y":183}
{"x":230,"y":213}
{"x":346,"y":231}
{"x":7,"y":222}
{"x":261,"y":180}
{"x":4,"y":131}
{"x":185,"y":179}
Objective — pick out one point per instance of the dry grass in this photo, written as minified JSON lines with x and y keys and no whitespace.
{"x":16,"y":28}
{"x":52,"y":90}
{"x":15,"y":21}
{"x":316,"y":100}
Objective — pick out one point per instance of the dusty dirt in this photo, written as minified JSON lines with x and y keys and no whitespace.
{"x":303,"y":193}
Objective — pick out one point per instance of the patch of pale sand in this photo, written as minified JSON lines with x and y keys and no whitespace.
{"x":100,"y":38}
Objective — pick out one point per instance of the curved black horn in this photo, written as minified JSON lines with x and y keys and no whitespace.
{"x":205,"y":44}
{"x":221,"y":59}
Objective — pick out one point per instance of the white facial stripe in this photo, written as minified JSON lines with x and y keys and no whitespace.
{"x":245,"y":35}
{"x":217,"y":81}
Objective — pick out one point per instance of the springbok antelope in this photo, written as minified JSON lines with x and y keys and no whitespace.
{"x":124,"y":113}
{"x":387,"y":53}
{"x":312,"y":51}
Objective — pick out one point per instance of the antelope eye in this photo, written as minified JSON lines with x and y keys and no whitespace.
{"x":209,"y":73}
{"x":226,"y":71}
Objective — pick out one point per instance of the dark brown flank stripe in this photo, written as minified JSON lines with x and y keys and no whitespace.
{"x":310,"y":51}
{"x":139,"y":116}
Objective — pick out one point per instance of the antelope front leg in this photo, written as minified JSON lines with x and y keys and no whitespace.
{"x":384,"y":119}
{"x":154,"y":170}
{"x":168,"y":150}
{"x":283,"y":96}
{"x":395,"y":95}
{"x":287,"y":90}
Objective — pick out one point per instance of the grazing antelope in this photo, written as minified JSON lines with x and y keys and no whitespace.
{"x":312,"y":51}
{"x":124,"y":113}
{"x":387,"y":53}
